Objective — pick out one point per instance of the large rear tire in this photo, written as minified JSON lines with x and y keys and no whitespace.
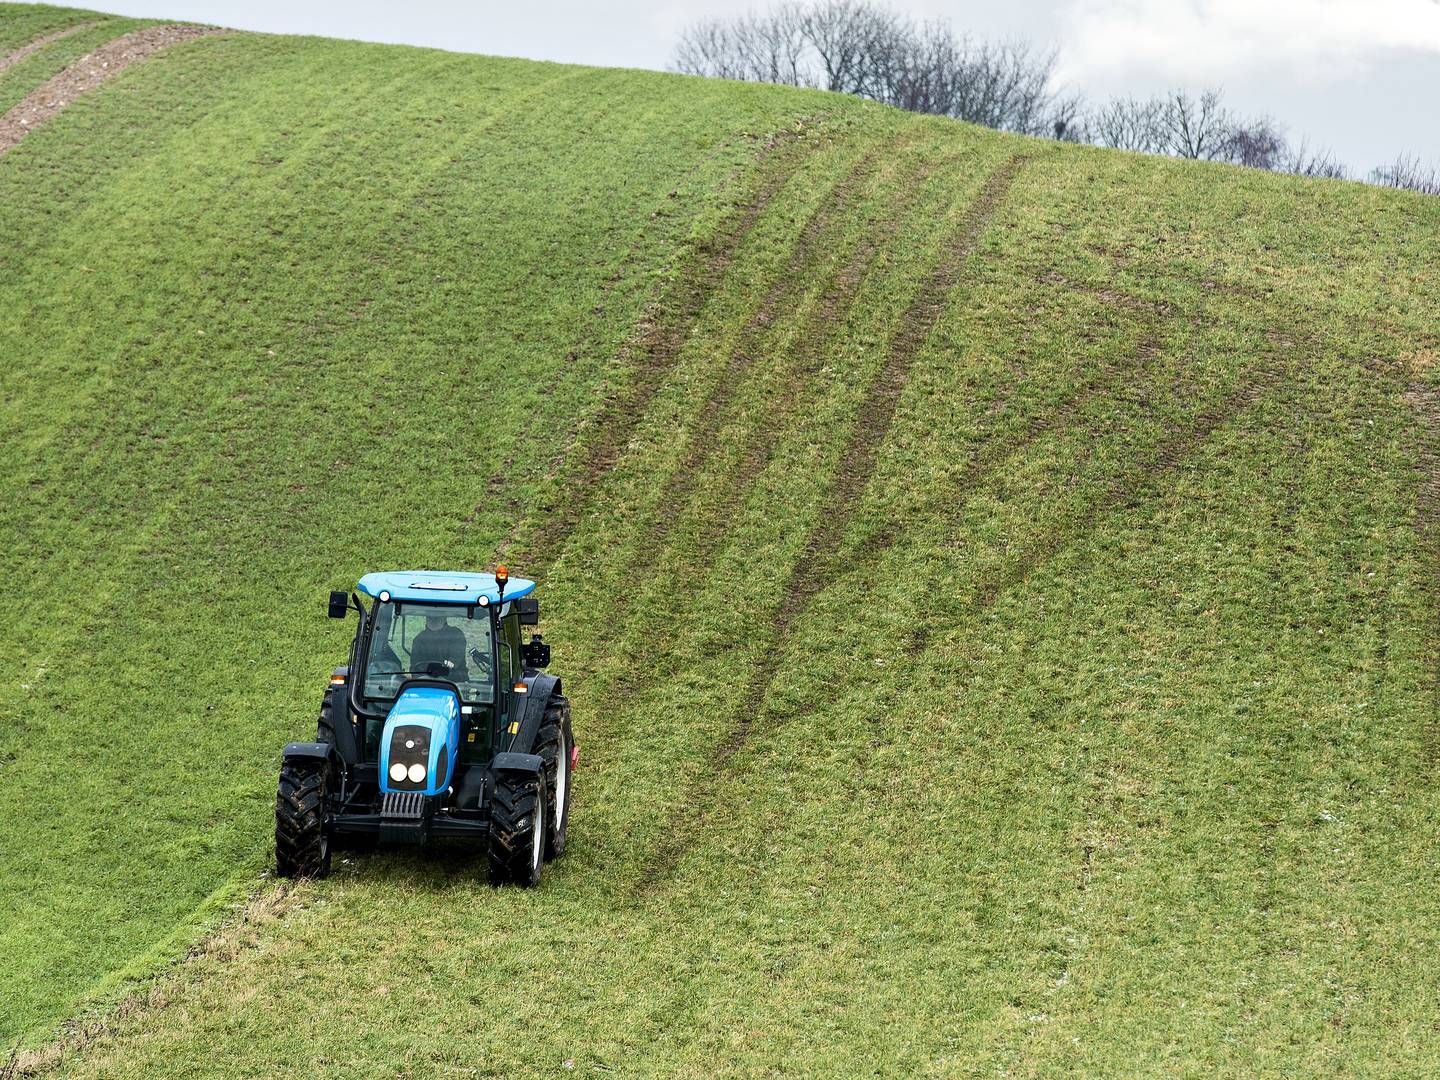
{"x":517,"y":829}
{"x":302,"y":849}
{"x":555,"y":743}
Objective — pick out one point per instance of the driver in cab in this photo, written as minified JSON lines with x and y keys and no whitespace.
{"x":439,"y":649}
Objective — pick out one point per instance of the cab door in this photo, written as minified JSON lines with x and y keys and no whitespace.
{"x":508,"y":661}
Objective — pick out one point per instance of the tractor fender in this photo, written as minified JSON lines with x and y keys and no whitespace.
{"x":509,"y":762}
{"x":307,"y":751}
{"x":542,"y":689}
{"x":347,"y":746}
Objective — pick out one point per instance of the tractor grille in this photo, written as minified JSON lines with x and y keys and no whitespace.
{"x":404,"y":805}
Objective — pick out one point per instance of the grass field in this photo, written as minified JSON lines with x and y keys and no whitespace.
{"x":995,"y":581}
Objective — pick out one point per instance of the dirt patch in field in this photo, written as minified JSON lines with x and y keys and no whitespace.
{"x":13,"y":58}
{"x":87,"y":73}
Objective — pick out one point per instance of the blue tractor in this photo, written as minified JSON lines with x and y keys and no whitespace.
{"x":441,"y":727}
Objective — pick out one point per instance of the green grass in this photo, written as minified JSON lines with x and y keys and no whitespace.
{"x":990,"y":593}
{"x":26,"y":22}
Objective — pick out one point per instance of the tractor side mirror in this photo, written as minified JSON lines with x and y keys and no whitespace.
{"x":529,"y":609}
{"x":339,"y":604}
{"x":535,"y":653}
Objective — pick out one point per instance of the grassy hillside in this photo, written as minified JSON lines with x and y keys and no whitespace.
{"x":994,"y":580}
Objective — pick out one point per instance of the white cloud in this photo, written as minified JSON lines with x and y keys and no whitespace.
{"x":1190,"y":40}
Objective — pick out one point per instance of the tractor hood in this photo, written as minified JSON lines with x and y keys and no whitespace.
{"x":420,"y":740}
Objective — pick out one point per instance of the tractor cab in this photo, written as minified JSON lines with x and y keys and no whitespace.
{"x":460,"y":629}
{"x":440,"y":718}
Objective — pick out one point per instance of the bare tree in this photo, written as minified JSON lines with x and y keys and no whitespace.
{"x":1198,"y":128}
{"x":1322,"y":163}
{"x":1132,"y":124}
{"x":707,"y":47}
{"x":848,"y":37}
{"x":758,"y":48}
{"x":861,"y":47}
{"x":1408,"y":173}
{"x":1258,"y":144}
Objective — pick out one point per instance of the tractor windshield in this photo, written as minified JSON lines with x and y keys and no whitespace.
{"x":430,"y":641}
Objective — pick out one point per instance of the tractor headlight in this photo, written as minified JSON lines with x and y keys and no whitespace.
{"x":417,"y":773}
{"x":397,"y":772}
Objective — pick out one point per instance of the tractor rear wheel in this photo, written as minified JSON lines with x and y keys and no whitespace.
{"x":302,"y":849}
{"x":517,"y":829}
{"x":555,"y":743}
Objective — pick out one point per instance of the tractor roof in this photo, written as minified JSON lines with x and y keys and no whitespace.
{"x":442,"y":586}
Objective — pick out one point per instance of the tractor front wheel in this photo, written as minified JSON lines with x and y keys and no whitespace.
{"x":517,"y":829}
{"x":301,"y":848}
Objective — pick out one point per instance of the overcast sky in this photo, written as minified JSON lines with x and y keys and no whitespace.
{"x":1359,"y":76}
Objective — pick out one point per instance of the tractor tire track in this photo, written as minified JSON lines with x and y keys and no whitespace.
{"x":651,"y":353}
{"x":587,"y":341}
{"x":1124,"y":490}
{"x":803,"y":360}
{"x":24,"y":51}
{"x":989,"y":456}
{"x":1424,"y":402}
{"x":813,"y":571}
{"x":834,"y":304}
{"x":783,"y":293}
{"x":89,"y":72}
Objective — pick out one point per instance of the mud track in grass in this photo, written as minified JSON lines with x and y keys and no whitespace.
{"x":814,"y":570}
{"x":803,"y":359}
{"x":90,"y":71}
{"x":9,"y":60}
{"x":1126,"y":489}
{"x":782,"y":294}
{"x":786,"y":291}
{"x":649,"y":356}
{"x":1424,"y":402}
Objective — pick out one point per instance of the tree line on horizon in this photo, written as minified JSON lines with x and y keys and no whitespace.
{"x":865,"y":48}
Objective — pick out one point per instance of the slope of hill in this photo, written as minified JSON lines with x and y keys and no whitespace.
{"x":995,"y":580}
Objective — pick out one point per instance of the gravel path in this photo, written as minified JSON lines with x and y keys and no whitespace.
{"x":88,"y":72}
